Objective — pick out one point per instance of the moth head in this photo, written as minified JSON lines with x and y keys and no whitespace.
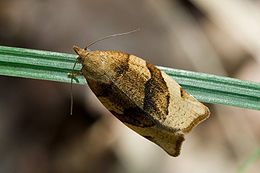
{"x":94,"y":64}
{"x":90,"y":61}
{"x":81,"y":52}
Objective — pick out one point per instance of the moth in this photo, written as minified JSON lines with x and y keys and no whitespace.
{"x":141,"y":96}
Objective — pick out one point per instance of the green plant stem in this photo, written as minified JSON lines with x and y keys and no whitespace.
{"x":46,"y":65}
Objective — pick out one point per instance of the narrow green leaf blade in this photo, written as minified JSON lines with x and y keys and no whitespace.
{"x":37,"y":64}
{"x":55,"y":66}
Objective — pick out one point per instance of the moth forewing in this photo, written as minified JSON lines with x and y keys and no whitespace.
{"x":184,"y":111}
{"x":141,"y":96}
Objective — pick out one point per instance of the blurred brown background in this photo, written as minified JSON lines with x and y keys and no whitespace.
{"x":37,"y":134}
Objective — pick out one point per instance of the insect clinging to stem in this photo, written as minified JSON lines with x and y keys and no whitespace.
{"x":141,"y":96}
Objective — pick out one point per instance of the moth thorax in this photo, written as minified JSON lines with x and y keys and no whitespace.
{"x":94,"y":66}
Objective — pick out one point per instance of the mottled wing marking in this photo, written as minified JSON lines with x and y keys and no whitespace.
{"x":123,"y":65}
{"x":133,"y":80}
{"x":143,"y":98}
{"x":156,"y":100}
{"x":161,"y":97}
{"x":135,"y":118}
{"x":119,"y":104}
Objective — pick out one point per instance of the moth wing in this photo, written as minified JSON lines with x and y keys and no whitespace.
{"x":184,"y":111}
{"x":159,"y":95}
{"x":146,"y":100}
{"x":122,"y":107}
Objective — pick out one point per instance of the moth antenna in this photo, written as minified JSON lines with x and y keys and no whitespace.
{"x":110,"y":36}
{"x":71,"y":80}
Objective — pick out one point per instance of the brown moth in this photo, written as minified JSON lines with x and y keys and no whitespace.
{"x":141,"y":96}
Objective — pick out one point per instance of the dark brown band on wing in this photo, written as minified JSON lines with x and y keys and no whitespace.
{"x":134,"y":116}
{"x":182,"y":91}
{"x":178,"y":146}
{"x":156,"y":93}
{"x":102,"y":89}
{"x":148,"y":137}
{"x":131,"y":113}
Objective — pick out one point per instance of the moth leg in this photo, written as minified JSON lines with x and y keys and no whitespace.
{"x":75,"y":74}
